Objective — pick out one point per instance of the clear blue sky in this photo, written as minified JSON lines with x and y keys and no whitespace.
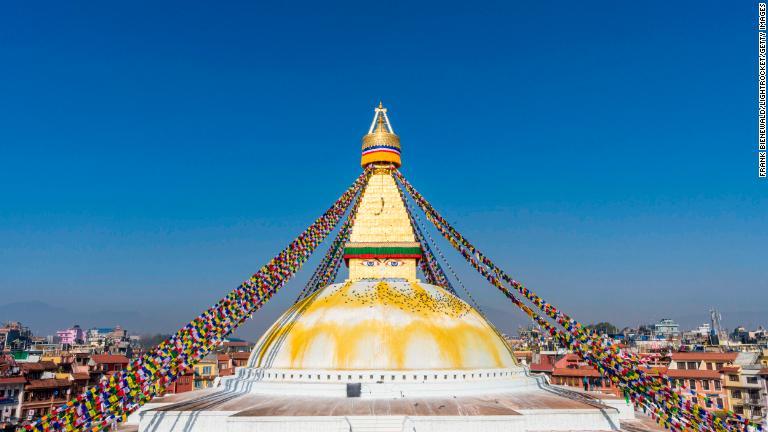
{"x":154,"y":154}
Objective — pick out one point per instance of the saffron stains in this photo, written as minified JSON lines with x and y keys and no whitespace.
{"x":382,"y":325}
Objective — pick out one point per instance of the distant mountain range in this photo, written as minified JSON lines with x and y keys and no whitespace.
{"x":44,"y":319}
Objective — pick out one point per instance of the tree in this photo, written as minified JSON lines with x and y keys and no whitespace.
{"x":603,"y":328}
{"x":150,"y":340}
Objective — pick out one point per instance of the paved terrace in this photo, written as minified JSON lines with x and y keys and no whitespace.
{"x":254,"y":405}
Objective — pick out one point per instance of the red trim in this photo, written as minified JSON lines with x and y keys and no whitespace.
{"x":368,"y":256}
{"x":385,"y":150}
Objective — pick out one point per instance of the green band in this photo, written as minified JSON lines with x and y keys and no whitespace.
{"x":382,"y":250}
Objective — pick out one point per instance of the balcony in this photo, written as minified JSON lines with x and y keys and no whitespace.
{"x":9,"y":401}
{"x":38,"y":403}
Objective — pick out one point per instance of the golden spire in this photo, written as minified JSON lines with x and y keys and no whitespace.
{"x":381,"y":145}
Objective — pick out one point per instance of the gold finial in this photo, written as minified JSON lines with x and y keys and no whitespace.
{"x":380,"y":126}
{"x":381,"y":144}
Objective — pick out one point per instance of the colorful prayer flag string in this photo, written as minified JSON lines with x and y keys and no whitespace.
{"x":623,"y":368}
{"x":115,"y":396}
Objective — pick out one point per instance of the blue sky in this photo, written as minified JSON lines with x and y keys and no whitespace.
{"x":154,"y":155}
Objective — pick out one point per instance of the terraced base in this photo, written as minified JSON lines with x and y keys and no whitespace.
{"x":523,"y":408}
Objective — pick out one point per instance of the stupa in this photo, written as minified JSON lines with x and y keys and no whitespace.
{"x":382,"y":350}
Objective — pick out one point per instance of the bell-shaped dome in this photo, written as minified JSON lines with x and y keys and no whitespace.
{"x":381,"y":325}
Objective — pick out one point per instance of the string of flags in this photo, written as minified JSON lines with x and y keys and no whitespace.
{"x":109,"y":402}
{"x":432,"y":270}
{"x":424,"y":235}
{"x":670,"y":408}
{"x":329,"y":266}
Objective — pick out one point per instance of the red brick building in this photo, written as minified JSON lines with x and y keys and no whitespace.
{"x":184,"y":383}
{"x":572,"y":371}
{"x":703,"y":372}
{"x":43,"y":395}
{"x":107,"y":363}
{"x":240,"y":358}
{"x":225,"y":365}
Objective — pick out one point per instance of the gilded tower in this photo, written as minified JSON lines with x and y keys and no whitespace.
{"x":382,"y":243}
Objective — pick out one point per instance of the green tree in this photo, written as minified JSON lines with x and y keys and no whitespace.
{"x":603,"y":328}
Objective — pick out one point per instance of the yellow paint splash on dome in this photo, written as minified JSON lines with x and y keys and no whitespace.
{"x":421,"y":314}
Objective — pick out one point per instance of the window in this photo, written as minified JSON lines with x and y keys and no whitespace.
{"x":692,"y":384}
{"x":720,"y":403}
{"x":738,"y":409}
{"x":736,"y":394}
{"x":718,"y":386}
{"x":719,"y":366}
{"x":710,"y":366}
{"x":693,"y":365}
{"x":705,"y":384}
{"x":751,"y":380}
{"x":681,"y":365}
{"x":733,"y":378}
{"x":206,"y":370}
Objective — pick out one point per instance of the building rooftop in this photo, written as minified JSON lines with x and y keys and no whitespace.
{"x":38,"y":366}
{"x":109,"y":358}
{"x":706,"y":356}
{"x":576,"y":372}
{"x":47,"y":383}
{"x":693,"y":373}
{"x":236,"y":344}
{"x":77,"y":376}
{"x":13,"y":380}
{"x":240,"y":355}
{"x":543,"y":365}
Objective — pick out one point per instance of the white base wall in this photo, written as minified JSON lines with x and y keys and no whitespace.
{"x":546,"y":420}
{"x":377,"y":383}
{"x":328,"y":384}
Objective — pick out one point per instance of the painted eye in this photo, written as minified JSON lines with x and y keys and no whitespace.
{"x":369,"y":263}
{"x":394,"y":263}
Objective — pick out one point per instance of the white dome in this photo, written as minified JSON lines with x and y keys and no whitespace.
{"x":381,"y":325}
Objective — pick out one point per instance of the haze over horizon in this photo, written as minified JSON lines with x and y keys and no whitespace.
{"x":152,"y":156}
